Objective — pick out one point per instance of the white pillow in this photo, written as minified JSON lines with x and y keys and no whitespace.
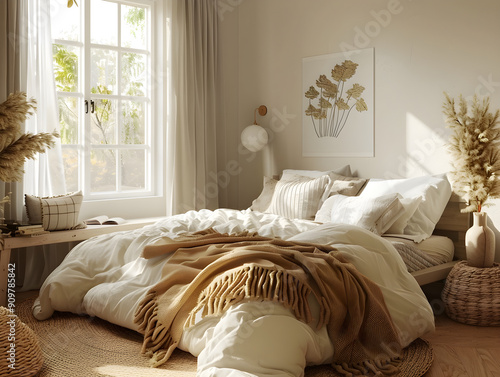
{"x":299,"y":197}
{"x":54,"y":212}
{"x":410,"y":206}
{"x":374,"y":214}
{"x":435,"y":191}
{"x":263,"y":201}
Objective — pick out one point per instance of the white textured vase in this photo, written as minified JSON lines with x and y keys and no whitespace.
{"x":480,"y":242}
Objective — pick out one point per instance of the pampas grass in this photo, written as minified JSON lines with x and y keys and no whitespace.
{"x":15,"y":145}
{"x":475,"y":150}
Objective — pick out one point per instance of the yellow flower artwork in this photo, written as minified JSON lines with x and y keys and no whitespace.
{"x":337,"y":118}
{"x":334,"y":102}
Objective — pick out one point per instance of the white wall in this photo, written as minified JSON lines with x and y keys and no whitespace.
{"x":422,"y":48}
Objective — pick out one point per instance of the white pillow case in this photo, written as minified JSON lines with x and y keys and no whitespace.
{"x":374,"y":214}
{"x":435,"y":191}
{"x":410,"y":206}
{"x":299,"y":197}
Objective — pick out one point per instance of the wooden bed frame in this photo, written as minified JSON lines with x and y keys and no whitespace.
{"x":453,"y":224}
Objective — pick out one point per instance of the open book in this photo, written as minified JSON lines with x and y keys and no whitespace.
{"x":104,"y":220}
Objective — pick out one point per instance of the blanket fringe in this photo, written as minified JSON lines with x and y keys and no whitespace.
{"x":247,"y":282}
{"x":254,"y":283}
{"x":157,"y":338}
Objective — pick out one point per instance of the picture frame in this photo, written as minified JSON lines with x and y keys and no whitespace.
{"x":338,"y":105}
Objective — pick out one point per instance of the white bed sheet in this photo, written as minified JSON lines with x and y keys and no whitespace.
{"x":106,"y":277}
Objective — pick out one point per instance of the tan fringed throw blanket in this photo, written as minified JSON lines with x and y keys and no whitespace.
{"x":210,"y":271}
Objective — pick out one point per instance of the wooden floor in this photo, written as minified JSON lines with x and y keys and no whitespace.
{"x":462,"y":350}
{"x":459,"y":350}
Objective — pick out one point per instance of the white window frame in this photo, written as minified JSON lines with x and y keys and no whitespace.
{"x":150,"y":201}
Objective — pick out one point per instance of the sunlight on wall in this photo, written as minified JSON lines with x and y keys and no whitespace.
{"x":129,"y":371}
{"x":426,"y":148}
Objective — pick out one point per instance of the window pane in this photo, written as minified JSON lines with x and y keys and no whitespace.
{"x":68,"y":119}
{"x":103,"y":125}
{"x":103,"y":65}
{"x":103,"y":170}
{"x":71,"y":163}
{"x":65,"y":22}
{"x":107,"y":148}
{"x":133,"y":169}
{"x":133,"y":74}
{"x":133,"y":122}
{"x":133,"y":27}
{"x":104,"y":22}
{"x":65,"y":59}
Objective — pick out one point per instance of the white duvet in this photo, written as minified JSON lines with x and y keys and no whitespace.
{"x":106,"y":277}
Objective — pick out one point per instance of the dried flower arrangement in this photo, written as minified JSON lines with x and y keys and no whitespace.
{"x":475,"y":149}
{"x":15,"y":145}
{"x":330,"y":117}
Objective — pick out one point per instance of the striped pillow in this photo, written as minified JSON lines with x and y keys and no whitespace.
{"x":299,"y":197}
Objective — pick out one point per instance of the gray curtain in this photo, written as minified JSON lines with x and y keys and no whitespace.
{"x":191,"y":130}
{"x":13,"y":52}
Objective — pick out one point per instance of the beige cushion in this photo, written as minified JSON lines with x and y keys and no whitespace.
{"x":343,"y":184}
{"x":349,"y":186}
{"x":263,"y":201}
{"x":299,"y":197}
{"x":55,"y":212}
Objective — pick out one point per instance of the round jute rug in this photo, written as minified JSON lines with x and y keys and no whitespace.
{"x":79,"y":346}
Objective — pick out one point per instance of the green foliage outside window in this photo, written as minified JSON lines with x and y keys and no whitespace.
{"x":133,"y":67}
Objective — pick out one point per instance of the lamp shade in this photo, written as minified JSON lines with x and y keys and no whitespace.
{"x":254,"y":138}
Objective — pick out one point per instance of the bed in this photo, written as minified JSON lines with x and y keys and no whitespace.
{"x":312,"y":273}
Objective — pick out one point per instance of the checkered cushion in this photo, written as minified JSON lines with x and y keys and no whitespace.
{"x":56,"y":212}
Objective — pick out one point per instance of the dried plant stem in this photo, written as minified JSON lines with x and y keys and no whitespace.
{"x":16,"y":146}
{"x":474,"y":146}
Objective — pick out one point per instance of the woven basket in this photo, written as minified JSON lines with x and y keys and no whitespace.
{"x":24,"y":349}
{"x":471,"y":295}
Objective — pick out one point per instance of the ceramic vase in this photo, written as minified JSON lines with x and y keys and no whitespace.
{"x":480,"y":242}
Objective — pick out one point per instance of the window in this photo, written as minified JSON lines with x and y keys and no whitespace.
{"x":102,"y":54}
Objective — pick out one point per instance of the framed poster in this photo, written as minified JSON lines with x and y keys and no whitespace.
{"x":338,"y":105}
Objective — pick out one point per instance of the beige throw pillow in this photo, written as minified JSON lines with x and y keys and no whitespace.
{"x":263,"y":201}
{"x":299,"y":197}
{"x":349,"y":186}
{"x":55,"y":212}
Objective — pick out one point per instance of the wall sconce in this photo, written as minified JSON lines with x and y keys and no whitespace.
{"x":255,"y":137}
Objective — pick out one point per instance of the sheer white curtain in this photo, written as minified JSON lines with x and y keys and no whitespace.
{"x":191,"y":136}
{"x":46,"y":174}
{"x":28,"y":67}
